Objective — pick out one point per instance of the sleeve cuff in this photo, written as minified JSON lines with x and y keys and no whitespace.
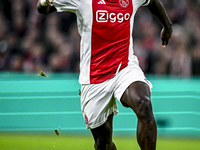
{"x":146,"y":3}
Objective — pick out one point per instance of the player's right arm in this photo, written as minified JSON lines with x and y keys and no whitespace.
{"x":157,"y":9}
{"x":45,"y":7}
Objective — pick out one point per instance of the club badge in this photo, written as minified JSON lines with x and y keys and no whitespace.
{"x":124,"y":3}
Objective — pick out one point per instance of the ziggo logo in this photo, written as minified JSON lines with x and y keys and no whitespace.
{"x":104,"y":16}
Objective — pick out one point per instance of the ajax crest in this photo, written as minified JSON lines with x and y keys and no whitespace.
{"x":124,"y":3}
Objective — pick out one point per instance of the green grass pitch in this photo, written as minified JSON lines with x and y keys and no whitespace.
{"x":64,"y":142}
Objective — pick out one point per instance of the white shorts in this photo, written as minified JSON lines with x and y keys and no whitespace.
{"x":98,"y":100}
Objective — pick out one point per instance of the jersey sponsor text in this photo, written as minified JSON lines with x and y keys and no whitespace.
{"x":105,"y":16}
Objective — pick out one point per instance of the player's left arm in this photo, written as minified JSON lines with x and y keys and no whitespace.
{"x":157,"y":9}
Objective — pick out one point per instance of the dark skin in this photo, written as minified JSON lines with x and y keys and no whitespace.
{"x":136,"y":96}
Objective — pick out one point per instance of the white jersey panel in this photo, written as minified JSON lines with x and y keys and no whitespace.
{"x":84,"y":21}
{"x":136,"y":4}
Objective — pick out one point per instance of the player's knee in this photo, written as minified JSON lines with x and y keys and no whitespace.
{"x":144,"y":108}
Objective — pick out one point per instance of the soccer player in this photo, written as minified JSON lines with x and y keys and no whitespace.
{"x":109,"y":69}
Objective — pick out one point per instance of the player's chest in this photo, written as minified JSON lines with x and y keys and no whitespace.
{"x":112,"y":10}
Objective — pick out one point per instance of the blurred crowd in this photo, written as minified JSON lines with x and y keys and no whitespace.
{"x":30,"y":42}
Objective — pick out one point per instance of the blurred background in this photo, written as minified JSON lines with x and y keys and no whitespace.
{"x":30,"y":41}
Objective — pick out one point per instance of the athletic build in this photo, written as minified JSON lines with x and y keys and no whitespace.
{"x":109,"y":69}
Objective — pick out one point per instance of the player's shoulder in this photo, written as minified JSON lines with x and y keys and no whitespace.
{"x":141,"y":2}
{"x":67,"y":5}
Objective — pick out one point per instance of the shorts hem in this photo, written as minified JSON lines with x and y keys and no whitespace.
{"x":102,"y":122}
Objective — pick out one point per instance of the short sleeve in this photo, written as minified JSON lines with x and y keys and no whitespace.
{"x":66,"y":5}
{"x":146,"y":3}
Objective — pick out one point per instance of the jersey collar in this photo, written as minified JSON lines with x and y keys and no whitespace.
{"x":112,"y":1}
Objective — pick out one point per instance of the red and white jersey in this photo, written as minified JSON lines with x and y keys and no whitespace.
{"x":106,"y":29}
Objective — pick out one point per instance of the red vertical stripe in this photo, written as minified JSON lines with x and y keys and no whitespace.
{"x":110,"y":38}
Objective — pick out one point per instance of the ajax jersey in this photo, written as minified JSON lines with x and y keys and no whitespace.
{"x":106,"y":29}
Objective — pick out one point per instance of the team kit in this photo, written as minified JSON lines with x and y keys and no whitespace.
{"x":107,"y":61}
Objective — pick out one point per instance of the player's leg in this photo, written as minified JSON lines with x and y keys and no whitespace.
{"x":103,"y":135}
{"x":137,"y":97}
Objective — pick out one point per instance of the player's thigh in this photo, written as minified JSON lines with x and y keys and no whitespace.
{"x":137,"y":97}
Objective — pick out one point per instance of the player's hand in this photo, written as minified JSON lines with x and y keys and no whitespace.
{"x":46,"y":2}
{"x":165,"y":36}
{"x":49,"y":2}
